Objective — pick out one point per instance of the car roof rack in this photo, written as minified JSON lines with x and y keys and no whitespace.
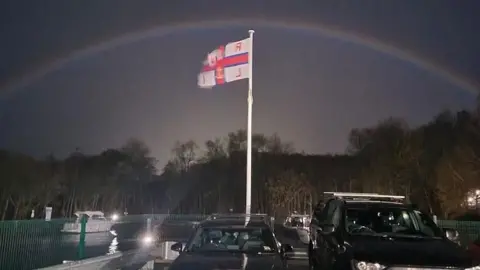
{"x":364,"y":196}
{"x":242,"y":216}
{"x":238,"y":216}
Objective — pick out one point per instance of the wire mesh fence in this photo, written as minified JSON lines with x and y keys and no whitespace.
{"x":30,"y":244}
{"x":469,"y":231}
{"x":25,"y":244}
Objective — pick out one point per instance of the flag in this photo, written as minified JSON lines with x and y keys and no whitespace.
{"x":226,"y":64}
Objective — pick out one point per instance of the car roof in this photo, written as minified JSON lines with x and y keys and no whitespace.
{"x":224,"y":223}
{"x":364,"y":197}
{"x":368,"y":203}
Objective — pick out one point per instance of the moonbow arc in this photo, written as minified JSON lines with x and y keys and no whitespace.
{"x":15,"y":86}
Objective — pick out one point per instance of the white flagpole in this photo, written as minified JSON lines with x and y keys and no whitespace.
{"x":248,"y":201}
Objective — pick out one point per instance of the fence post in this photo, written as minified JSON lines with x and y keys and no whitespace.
{"x":149,"y":225}
{"x":81,"y":243}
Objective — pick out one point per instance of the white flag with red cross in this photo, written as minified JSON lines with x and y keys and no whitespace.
{"x":226,"y":64}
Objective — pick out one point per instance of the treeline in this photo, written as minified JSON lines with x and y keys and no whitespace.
{"x":111,"y":180}
{"x":435,"y":165}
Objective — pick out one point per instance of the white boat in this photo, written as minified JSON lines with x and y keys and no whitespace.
{"x":301,"y":223}
{"x":96,"y":222}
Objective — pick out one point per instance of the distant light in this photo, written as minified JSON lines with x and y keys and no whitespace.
{"x":470,"y":199}
{"x":477,"y":192}
{"x":147,"y":240}
{"x":115,"y":217}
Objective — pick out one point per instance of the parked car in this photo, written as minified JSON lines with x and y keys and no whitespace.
{"x":375,"y":232}
{"x":474,"y":250}
{"x":224,"y":243}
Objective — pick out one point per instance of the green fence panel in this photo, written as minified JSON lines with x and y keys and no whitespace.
{"x":24,"y":244}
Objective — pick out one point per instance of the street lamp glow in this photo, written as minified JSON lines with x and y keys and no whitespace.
{"x":147,"y":240}
{"x":477,"y":192}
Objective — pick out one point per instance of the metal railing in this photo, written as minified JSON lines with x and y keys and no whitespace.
{"x":118,"y":260}
{"x":31,"y":244}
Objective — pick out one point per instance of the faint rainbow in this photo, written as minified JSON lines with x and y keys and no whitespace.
{"x":370,"y":42}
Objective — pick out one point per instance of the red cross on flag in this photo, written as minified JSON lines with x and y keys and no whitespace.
{"x":226,"y":64}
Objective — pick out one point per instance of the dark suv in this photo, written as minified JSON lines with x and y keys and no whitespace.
{"x":376,"y":232}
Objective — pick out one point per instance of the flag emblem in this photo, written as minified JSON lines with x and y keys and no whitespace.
{"x":226,"y":64}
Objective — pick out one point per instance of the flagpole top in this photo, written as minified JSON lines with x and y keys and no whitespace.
{"x":251,"y":31}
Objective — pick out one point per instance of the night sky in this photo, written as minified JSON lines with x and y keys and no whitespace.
{"x":91,"y":74}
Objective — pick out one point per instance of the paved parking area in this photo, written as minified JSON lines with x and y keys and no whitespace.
{"x":298,"y":265}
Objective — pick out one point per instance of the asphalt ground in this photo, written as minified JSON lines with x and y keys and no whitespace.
{"x":292,"y":265}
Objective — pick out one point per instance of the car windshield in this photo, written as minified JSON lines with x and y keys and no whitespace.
{"x":391,"y":221}
{"x":98,"y":217}
{"x":258,"y":240}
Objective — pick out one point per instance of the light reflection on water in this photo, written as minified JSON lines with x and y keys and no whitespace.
{"x":113,"y":248}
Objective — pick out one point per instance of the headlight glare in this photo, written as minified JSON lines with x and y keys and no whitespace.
{"x":147,"y":240}
{"x":361,"y":265}
{"x":474,"y":268}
